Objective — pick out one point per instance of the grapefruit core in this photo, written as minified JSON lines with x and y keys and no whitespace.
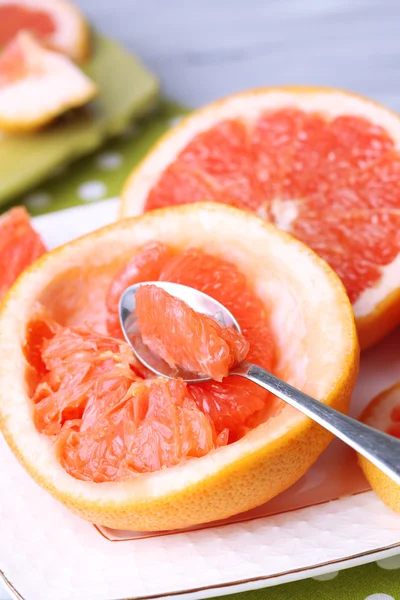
{"x":315,"y":348}
{"x":56,"y":23}
{"x":383,"y":413}
{"x":187,"y":339}
{"x":321,"y":164}
{"x":37,"y":85}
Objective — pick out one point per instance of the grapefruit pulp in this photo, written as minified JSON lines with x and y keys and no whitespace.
{"x":56,"y":23}
{"x":184,"y":338}
{"x":383,"y":413}
{"x":20,"y":245}
{"x":321,"y":164}
{"x":50,"y":81}
{"x":132,"y":452}
{"x":86,"y":404}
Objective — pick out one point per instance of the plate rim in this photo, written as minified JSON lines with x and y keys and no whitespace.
{"x":253,"y":583}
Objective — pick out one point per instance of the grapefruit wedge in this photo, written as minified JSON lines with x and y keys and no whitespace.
{"x":37,"y":85}
{"x":321,"y":164}
{"x":20,"y":246}
{"x":71,"y":395}
{"x":383,"y":413}
{"x":56,"y":23}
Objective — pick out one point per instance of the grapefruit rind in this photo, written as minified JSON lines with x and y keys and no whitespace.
{"x":71,"y":36}
{"x":376,"y":310}
{"x":51,"y":86}
{"x":378,"y":415}
{"x":316,"y":340}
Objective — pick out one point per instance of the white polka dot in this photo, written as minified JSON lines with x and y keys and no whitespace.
{"x":92,"y":190}
{"x":391,"y":563}
{"x":327,"y":576}
{"x":38,"y":200}
{"x":379,"y":597}
{"x":174,"y":121}
{"x":108,"y":161}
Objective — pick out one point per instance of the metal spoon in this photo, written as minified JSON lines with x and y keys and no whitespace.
{"x":379,"y":448}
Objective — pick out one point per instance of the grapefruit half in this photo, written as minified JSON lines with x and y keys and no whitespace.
{"x":56,"y":23}
{"x":37,"y":85}
{"x":322,"y":164}
{"x":383,"y":413}
{"x":315,"y":343}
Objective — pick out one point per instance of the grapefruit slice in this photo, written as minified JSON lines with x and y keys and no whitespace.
{"x":184,"y":338}
{"x":315,"y":343}
{"x":383,"y":413}
{"x":37,"y":85}
{"x":56,"y":23}
{"x":321,"y":164}
{"x":20,"y":246}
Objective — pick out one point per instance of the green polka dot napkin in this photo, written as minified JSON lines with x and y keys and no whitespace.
{"x":375,"y":581}
{"x":101,"y":175}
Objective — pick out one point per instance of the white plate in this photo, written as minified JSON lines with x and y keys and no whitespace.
{"x":48,"y":553}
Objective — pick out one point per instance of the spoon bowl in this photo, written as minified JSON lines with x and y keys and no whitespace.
{"x":199,"y":301}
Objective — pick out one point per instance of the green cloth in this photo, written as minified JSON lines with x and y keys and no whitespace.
{"x":102,"y":175}
{"x":368,"y":582}
{"x":126,"y":91}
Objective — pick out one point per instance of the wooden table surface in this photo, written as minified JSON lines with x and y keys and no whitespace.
{"x":207,"y":49}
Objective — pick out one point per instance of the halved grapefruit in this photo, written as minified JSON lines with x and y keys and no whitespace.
{"x":20,"y":246}
{"x":37,"y":85}
{"x":56,"y":23}
{"x":322,"y":164}
{"x":383,"y":413}
{"x":58,"y":309}
{"x":187,"y":339}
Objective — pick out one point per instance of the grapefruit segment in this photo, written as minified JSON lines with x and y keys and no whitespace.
{"x":51,"y":81}
{"x":56,"y":23}
{"x":20,"y":246}
{"x":383,"y":413}
{"x":308,"y":160}
{"x":158,"y":458}
{"x":184,"y":338}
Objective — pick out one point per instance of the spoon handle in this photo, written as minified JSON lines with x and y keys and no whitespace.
{"x":379,"y":448}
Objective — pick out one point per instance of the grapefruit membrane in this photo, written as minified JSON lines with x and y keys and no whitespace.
{"x":69,"y":390}
{"x":321,"y":164}
{"x":383,"y":413}
{"x":56,"y":23}
{"x":51,"y":82}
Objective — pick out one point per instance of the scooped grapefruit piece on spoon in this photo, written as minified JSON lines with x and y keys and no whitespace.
{"x":75,"y":410}
{"x":184,"y":338}
{"x":37,"y":85}
{"x":383,"y":413}
{"x":56,"y":23}
{"x":322,"y":164}
{"x":20,"y":246}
